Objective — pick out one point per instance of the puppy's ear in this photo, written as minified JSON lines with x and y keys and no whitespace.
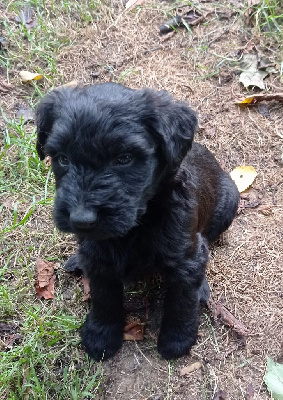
{"x":174,"y":124}
{"x":45,"y":116}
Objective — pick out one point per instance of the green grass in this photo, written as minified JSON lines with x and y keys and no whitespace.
{"x":46,"y":361}
{"x":37,"y":49}
{"x":41,"y":367}
{"x":269,"y":17}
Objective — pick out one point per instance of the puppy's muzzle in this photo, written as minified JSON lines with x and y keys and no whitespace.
{"x":83,"y":219}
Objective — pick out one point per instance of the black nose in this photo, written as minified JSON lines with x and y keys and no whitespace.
{"x":82,"y":218}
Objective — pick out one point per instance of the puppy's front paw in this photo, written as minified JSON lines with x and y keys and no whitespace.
{"x":101,"y":341}
{"x":73,"y":265}
{"x":174,"y":343}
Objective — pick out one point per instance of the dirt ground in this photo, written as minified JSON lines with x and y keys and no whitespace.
{"x":245,"y":270}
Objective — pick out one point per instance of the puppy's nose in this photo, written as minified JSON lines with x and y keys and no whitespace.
{"x":82,"y":218}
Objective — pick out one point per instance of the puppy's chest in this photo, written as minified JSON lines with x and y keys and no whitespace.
{"x":138,"y":256}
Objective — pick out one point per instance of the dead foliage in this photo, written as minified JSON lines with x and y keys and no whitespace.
{"x":190,"y":368}
{"x":134,"y":330}
{"x":45,"y":278}
{"x":85,"y":282}
{"x":220,"y":312}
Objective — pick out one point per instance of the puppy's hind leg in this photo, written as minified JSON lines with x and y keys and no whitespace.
{"x":204,"y":291}
{"x":186,"y":287}
{"x":225,"y":209}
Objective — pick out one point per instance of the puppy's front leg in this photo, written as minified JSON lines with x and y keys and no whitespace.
{"x":179,"y":325}
{"x":102,"y":332}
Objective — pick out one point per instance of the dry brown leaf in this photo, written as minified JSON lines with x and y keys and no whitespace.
{"x":193,"y":17}
{"x":256,"y":98}
{"x":134,"y":330}
{"x":45,"y":278}
{"x":218,"y":310}
{"x":86,"y":295}
{"x":190,"y":368}
{"x":133,"y":3}
{"x":48,"y":161}
{"x":250,"y":392}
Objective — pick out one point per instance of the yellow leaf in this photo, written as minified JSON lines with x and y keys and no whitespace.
{"x":27,"y":76}
{"x":243,"y":177}
{"x":248,"y":100}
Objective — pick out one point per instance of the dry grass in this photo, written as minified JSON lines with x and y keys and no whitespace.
{"x":246,"y":272}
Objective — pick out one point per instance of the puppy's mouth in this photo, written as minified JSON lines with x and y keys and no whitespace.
{"x":93,"y":234}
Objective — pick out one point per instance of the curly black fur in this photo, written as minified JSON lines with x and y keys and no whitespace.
{"x":140,"y":197}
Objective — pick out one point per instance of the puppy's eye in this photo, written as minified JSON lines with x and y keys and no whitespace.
{"x":63,"y":160}
{"x":124,"y":159}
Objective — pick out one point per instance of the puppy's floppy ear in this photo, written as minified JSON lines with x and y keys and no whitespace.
{"x":173,"y":123}
{"x":45,"y":116}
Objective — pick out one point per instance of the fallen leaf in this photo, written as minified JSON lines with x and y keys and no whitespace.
{"x":190,"y":368}
{"x":48,"y":161}
{"x":250,"y":392}
{"x":251,"y":75}
{"x":243,"y":177}
{"x":86,"y":295}
{"x":256,"y":98}
{"x":133,"y":3}
{"x":27,"y":76}
{"x":274,"y":379}
{"x":220,"y":395}
{"x":134,"y":330}
{"x":27,"y":18}
{"x":218,"y":310}
{"x":25,"y":114}
{"x":45,"y":278}
{"x":193,"y":17}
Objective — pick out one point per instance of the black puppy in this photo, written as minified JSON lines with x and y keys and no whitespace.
{"x":140,"y":197}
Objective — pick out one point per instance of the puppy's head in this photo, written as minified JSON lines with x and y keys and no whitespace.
{"x":111,"y":147}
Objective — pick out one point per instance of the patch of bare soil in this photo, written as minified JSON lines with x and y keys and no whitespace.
{"x":245,"y":272}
